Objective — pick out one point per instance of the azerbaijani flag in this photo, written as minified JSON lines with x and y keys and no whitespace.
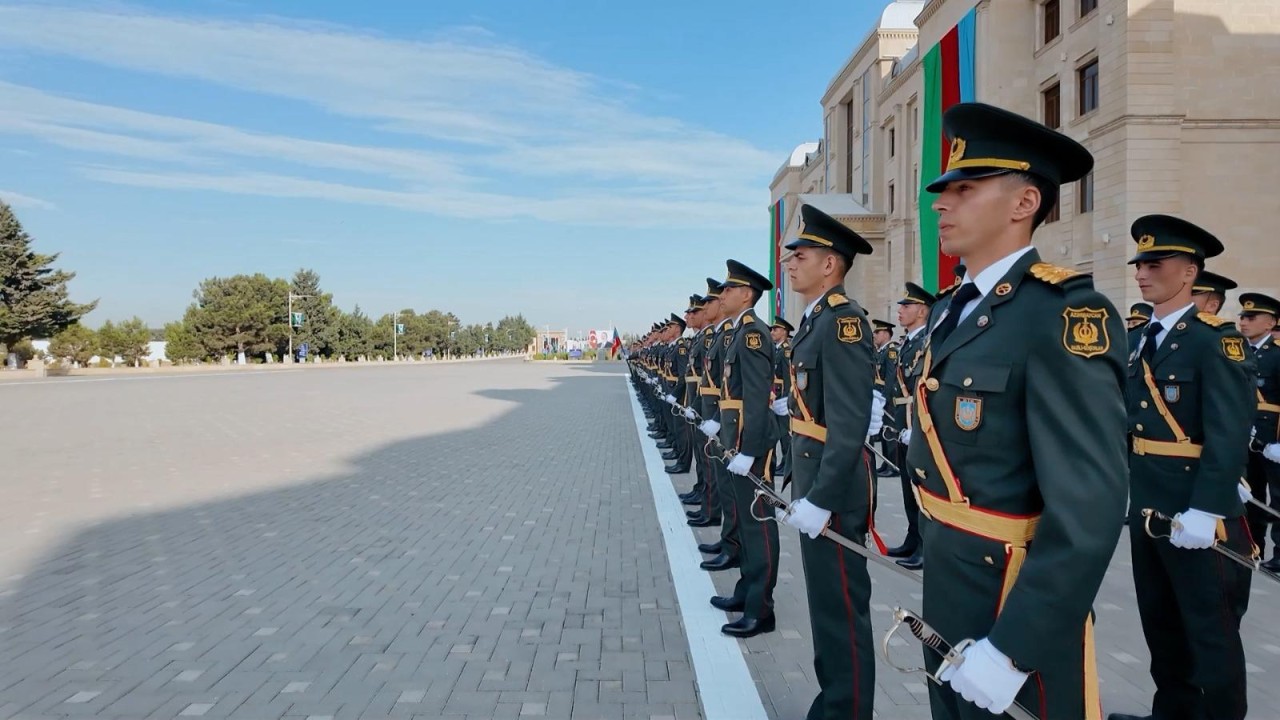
{"x":616,"y":345}
{"x":948,"y":79}
{"x":776,"y":251}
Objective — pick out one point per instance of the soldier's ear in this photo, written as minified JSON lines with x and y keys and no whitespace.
{"x":1028,"y":202}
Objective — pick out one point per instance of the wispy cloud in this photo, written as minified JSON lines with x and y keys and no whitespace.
{"x":18,"y":200}
{"x":502,"y":125}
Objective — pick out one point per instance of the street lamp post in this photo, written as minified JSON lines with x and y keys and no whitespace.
{"x":293,"y":297}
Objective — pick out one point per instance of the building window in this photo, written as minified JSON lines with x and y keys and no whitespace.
{"x":1055,"y":213}
{"x":1086,"y":193}
{"x":915,"y":120}
{"x":1087,"y":6}
{"x":1052,"y":21}
{"x":866,"y":137}
{"x":915,"y":178}
{"x":891,"y":198}
{"x":1088,"y":90}
{"x":893,"y":142}
{"x":848,"y":147}
{"x":1051,"y":102}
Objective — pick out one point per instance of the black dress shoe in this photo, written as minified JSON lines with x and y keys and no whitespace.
{"x":669,"y":455}
{"x":696,"y":500}
{"x":728,"y":603}
{"x":887,"y":472}
{"x":714,"y":548}
{"x":674,"y":469}
{"x":691,"y":514}
{"x":655,"y":434}
{"x":915,"y":562}
{"x":1123,"y":716}
{"x":689,"y":495}
{"x":664,"y":445}
{"x":1273,"y":564}
{"x":720,"y":562}
{"x":901,"y":551}
{"x":703,"y":522}
{"x":746,"y":627}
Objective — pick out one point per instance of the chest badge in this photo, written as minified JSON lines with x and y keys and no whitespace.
{"x":968,"y":413}
{"x":802,"y":379}
{"x":1172,"y":393}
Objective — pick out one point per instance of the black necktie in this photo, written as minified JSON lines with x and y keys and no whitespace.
{"x":962,"y":296}
{"x":1149,"y":340}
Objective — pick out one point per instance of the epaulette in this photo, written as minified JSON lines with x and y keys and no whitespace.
{"x":1213,"y":320}
{"x":836,"y":300}
{"x":1052,"y":274}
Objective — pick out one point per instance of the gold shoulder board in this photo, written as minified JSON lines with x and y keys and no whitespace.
{"x":836,"y":300}
{"x":1052,"y":274}
{"x":1212,"y":320}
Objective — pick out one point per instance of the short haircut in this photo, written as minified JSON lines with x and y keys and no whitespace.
{"x":1048,"y":194}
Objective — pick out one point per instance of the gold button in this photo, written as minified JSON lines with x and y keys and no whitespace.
{"x":1143,"y":403}
{"x":931,"y":384}
{"x":1139,"y":427}
{"x":1173,"y":377}
{"x":968,"y":382}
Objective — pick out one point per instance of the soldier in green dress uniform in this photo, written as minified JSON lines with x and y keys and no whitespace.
{"x":1190,"y":405}
{"x":833,"y":403}
{"x":745,"y":425}
{"x":782,"y":330}
{"x":1210,"y":291}
{"x":1139,"y":315}
{"x":913,"y":314}
{"x":1257,"y":319}
{"x":1018,"y":448}
{"x":886,"y":357}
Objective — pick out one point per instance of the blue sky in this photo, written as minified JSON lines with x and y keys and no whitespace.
{"x":581,"y":161}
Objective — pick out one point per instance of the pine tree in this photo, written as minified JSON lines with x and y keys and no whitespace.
{"x":33,"y":295}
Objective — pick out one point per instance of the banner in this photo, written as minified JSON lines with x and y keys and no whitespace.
{"x":948,"y":79}
{"x":777,"y":226}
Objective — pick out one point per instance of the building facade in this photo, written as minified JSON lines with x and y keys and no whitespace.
{"x":1175,"y":99}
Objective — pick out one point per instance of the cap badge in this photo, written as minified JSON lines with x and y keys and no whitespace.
{"x":1146,"y":242}
{"x":957,"y":151}
{"x":1248,"y":305}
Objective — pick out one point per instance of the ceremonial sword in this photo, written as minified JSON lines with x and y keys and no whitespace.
{"x":1252,"y":562}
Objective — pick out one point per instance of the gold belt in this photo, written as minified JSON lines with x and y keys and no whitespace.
{"x":691,"y":378}
{"x":809,"y":429}
{"x":1143,"y":446}
{"x":902,"y":401}
{"x":709,"y":391}
{"x":1016,"y":530}
{"x":727,"y":404}
{"x":1268,"y":407}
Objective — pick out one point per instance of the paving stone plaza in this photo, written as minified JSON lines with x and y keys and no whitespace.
{"x":477,"y":540}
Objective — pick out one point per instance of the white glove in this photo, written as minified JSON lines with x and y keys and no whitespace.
{"x":740,"y":464}
{"x":986,"y":678}
{"x":807,"y":518}
{"x":1243,"y":491}
{"x":877,"y":413}
{"x":709,"y":428}
{"x":1272,"y":452}
{"x":780,"y":407}
{"x":905,"y":438}
{"x":1194,"y":530}
{"x":670,"y":399}
{"x":689,"y":414}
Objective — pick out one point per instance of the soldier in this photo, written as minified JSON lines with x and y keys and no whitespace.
{"x":1257,"y":319}
{"x":1190,"y":407}
{"x":832,"y":409}
{"x":886,"y":360}
{"x":692,"y":401}
{"x":781,"y":331}
{"x":745,"y":425}
{"x":1139,"y":314}
{"x":913,"y":314}
{"x":681,"y":454}
{"x":728,"y":551}
{"x":1018,"y":448}
{"x":1210,"y":291}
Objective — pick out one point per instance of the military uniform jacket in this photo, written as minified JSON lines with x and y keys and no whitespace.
{"x":679,"y":366}
{"x":782,"y":370}
{"x":1266,"y":423}
{"x":833,"y":376}
{"x":903,"y":376}
{"x":745,"y":417}
{"x":693,"y":372}
{"x":713,"y":366}
{"x":1202,"y":375}
{"x":886,"y":359}
{"x":1026,"y":398}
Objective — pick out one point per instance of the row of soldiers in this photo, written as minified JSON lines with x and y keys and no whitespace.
{"x":1021,"y":414}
